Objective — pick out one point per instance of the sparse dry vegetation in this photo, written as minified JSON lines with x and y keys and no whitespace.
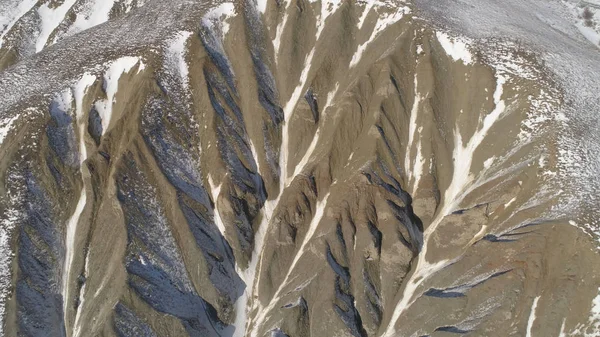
{"x":587,"y":15}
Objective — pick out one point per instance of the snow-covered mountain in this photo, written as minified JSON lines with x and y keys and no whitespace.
{"x":299,"y":168}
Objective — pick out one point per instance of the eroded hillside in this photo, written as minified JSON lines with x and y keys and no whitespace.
{"x":286,"y":168}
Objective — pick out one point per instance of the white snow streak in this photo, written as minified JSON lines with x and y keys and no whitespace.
{"x":313,"y":144}
{"x":11,"y":220}
{"x":328,"y":8}
{"x":562,"y":329}
{"x":280,"y":28}
{"x":262,"y":315}
{"x":241,"y":314}
{"x":532,"y":316}
{"x":111,"y":85}
{"x":79,"y":93}
{"x":460,"y":186}
{"x":69,"y":250}
{"x":93,"y":13}
{"x":463,"y":155}
{"x":363,"y":17}
{"x":510,"y":202}
{"x":287,"y":112}
{"x":176,"y":52}
{"x":255,"y":156}
{"x":215,"y":191}
{"x":77,"y":325}
{"x":384,"y":20}
{"x":248,"y":275}
{"x":414,"y":170}
{"x":6,"y":126}
{"x":11,"y":12}
{"x":261,"y":5}
{"x":455,"y":47}
{"x":51,"y":18}
{"x":220,"y":14}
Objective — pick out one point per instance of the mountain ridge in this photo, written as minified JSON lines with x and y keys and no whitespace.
{"x":294,"y":169}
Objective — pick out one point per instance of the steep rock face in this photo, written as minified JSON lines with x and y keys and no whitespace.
{"x":285,"y":168}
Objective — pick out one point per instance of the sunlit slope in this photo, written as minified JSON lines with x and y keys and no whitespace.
{"x":287,"y":169}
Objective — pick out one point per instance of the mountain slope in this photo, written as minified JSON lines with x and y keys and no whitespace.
{"x":288,"y":168}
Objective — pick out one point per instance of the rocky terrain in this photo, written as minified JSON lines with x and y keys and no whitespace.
{"x":298,"y":168}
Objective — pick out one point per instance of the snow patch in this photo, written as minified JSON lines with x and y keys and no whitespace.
{"x":215,"y":191}
{"x":280,"y":28}
{"x":460,"y":185}
{"x":175,"y":56}
{"x":457,"y":48}
{"x":11,"y":12}
{"x":50,"y":19}
{"x":220,"y":14}
{"x":419,"y":49}
{"x":261,"y":5}
{"x":79,"y":89}
{"x":6,"y":126}
{"x":510,"y":202}
{"x":111,"y":85}
{"x":414,"y":169}
{"x":92,"y":14}
{"x":587,"y":18}
{"x":589,"y":33}
{"x":384,"y":20}
{"x":532,"y":316}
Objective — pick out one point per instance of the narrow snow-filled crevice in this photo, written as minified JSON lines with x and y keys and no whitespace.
{"x":79,"y":91}
{"x":460,"y":186}
{"x":328,"y":8}
{"x":263,"y":312}
{"x":215,"y":191}
{"x":111,"y":85}
{"x":176,"y":57}
{"x":414,"y":169}
{"x":384,"y":20}
{"x":280,"y":28}
{"x":50,"y":20}
{"x":11,"y":13}
{"x":308,"y":155}
{"x":532,"y":316}
{"x":287,"y":113}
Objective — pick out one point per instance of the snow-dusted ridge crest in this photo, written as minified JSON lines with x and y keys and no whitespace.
{"x":50,"y":23}
{"x":96,"y":47}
